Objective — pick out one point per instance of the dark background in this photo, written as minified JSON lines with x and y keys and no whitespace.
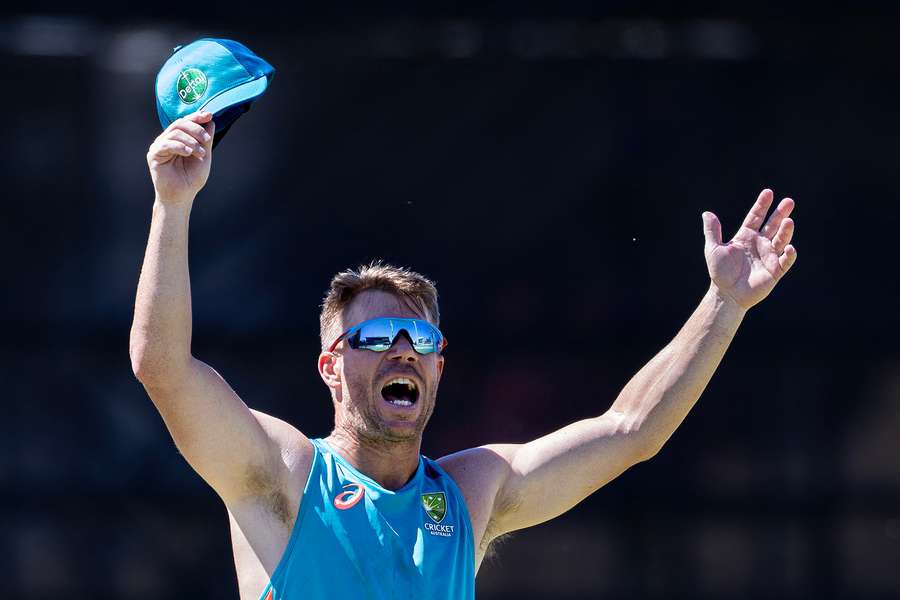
{"x":548,"y":167}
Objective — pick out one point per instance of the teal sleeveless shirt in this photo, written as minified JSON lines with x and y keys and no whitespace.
{"x":355,"y":539}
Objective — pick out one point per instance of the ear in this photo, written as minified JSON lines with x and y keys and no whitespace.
{"x":330,"y":369}
{"x":440,"y":366}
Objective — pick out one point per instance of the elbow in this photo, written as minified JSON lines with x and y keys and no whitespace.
{"x":644,"y":441}
{"x":140,"y":365}
{"x":141,"y":354}
{"x":139,"y":370}
{"x":136,"y":352}
{"x":646,"y":452}
{"x":647,"y":444}
{"x":637,"y":438}
{"x":153,"y":367}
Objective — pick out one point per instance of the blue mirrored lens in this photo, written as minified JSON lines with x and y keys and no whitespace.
{"x":379,"y":334}
{"x":423,"y":337}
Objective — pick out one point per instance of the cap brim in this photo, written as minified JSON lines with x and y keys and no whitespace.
{"x":237,"y":95}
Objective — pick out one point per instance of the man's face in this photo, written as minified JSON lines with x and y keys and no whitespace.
{"x":362,"y":377}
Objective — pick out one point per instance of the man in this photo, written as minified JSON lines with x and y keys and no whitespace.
{"x":361,"y":512}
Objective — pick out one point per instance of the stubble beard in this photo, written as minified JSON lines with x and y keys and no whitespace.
{"x":367,"y":423}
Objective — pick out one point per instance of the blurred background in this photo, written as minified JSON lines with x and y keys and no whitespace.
{"x":547,"y":166}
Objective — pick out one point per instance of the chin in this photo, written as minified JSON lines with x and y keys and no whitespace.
{"x":400,"y":433}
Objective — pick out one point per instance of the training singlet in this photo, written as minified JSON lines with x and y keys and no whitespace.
{"x":355,"y":539}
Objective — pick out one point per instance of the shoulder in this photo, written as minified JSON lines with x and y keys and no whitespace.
{"x":480,"y":473}
{"x":476,"y":468}
{"x":296,"y":450}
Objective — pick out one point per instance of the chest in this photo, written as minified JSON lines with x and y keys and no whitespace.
{"x":350,"y":537}
{"x":426,"y":520}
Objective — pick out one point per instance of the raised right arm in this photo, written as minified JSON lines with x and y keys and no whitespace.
{"x":237,"y":451}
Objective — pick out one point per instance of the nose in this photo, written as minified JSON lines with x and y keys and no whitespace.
{"x":402,"y":349}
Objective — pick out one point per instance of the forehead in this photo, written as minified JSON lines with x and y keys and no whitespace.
{"x":376,"y":303}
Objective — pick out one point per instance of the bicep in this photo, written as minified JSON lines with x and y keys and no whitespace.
{"x":550,"y":475}
{"x":221,"y":438}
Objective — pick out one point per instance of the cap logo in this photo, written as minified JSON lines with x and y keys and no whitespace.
{"x":191,"y":85}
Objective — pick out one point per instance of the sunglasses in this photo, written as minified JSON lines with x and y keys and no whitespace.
{"x":380,"y":334}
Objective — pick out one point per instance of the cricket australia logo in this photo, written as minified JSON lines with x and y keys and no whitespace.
{"x":192,"y":84}
{"x":435,"y":505}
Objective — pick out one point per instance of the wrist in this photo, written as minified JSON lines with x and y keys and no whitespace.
{"x":174,"y":201}
{"x":725,"y":303}
{"x":169,"y":207}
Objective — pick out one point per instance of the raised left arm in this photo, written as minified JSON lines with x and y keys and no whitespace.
{"x":546,"y":477}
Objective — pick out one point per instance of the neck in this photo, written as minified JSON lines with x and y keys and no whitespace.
{"x":391,"y":464}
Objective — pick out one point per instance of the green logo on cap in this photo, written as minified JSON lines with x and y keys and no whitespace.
{"x":191,"y":85}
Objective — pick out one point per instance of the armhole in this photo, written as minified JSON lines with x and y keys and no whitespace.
{"x":268,"y":592}
{"x":462,"y":501}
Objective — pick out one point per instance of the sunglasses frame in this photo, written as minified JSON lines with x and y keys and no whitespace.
{"x":352,"y":330}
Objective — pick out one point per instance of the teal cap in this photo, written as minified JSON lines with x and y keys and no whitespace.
{"x":220,"y":76}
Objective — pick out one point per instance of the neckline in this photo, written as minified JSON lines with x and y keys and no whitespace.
{"x":346,"y":463}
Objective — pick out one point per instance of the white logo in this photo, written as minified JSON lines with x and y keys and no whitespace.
{"x":441,"y":530}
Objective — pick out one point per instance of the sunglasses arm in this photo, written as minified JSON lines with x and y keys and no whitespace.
{"x":338,"y":341}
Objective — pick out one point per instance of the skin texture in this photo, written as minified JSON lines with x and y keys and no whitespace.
{"x":258,"y":464}
{"x":380,"y":440}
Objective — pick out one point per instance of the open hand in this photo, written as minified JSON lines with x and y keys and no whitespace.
{"x":180,"y":157}
{"x":747,"y":268}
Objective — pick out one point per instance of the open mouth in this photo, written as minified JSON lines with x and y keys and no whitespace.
{"x":400,"y":391}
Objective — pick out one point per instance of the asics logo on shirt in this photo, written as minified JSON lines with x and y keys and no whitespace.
{"x":353,"y":493}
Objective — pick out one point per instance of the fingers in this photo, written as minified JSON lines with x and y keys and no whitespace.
{"x":188,"y":140}
{"x":164,"y":150}
{"x":784,"y":209}
{"x":195,"y":130}
{"x":210,"y":129}
{"x":188,"y":136}
{"x":200,"y":117}
{"x":783,"y":237}
{"x":787,"y":259}
{"x":712,"y":228}
{"x":757,"y":214}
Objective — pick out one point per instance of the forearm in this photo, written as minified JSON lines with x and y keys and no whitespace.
{"x":657,"y":399}
{"x":160,"y":345}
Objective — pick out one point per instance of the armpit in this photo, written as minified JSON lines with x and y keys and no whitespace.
{"x":490,"y":544}
{"x":268,"y":490}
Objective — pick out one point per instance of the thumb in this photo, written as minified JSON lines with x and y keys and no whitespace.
{"x":712,"y":229}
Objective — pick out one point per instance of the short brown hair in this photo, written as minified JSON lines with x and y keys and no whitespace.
{"x":346,"y":285}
